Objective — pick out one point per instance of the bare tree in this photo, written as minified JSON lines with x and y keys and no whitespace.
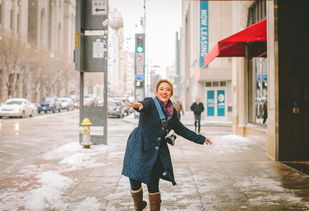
{"x":13,"y":65}
{"x":31,"y":72}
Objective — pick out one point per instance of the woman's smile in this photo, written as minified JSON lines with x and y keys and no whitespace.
{"x":164,"y":92}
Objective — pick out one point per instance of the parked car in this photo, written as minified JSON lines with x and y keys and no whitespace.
{"x":90,"y":100}
{"x":115,"y":109}
{"x":17,"y":107}
{"x":75,"y":99}
{"x":123,"y":100}
{"x":49,"y":104}
{"x":66,"y":103}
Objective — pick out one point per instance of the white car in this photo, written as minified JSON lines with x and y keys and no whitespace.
{"x":66,"y":103}
{"x":17,"y":107}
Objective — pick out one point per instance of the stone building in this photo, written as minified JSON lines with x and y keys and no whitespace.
{"x":40,"y":34}
{"x":264,"y":46}
{"x":211,"y":83}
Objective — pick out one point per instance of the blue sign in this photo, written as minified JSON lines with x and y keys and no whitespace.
{"x":139,"y":77}
{"x":210,"y":103}
{"x":258,"y":77}
{"x":203,"y":31}
{"x":221,"y":102}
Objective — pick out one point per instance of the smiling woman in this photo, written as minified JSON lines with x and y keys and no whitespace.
{"x":147,"y":157}
{"x":164,"y":91}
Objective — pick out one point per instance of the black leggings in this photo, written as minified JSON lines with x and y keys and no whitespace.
{"x":153,"y":185}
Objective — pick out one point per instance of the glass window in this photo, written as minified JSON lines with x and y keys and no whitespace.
{"x":11,"y":19}
{"x":258,"y":84}
{"x":222,"y":83}
{"x":256,"y":12}
{"x":0,"y":13}
{"x":18,"y":23}
{"x":215,"y":83}
{"x":18,"y":16}
{"x":208,"y":84}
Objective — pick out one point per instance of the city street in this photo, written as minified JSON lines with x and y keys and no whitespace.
{"x":238,"y":69}
{"x":44,"y":168}
{"x":22,"y":140}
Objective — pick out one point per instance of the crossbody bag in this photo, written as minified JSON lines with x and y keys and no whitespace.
{"x":169,"y":139}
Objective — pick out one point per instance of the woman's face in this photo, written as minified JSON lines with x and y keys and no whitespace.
{"x":164,"y":92}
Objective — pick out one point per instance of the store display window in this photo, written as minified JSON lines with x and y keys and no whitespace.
{"x":258,"y":88}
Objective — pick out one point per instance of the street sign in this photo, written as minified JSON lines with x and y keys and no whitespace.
{"x":99,"y":7}
{"x":91,"y":48}
{"x":76,"y":40}
{"x":139,"y":77}
{"x":139,"y":92}
{"x":98,"y":49}
{"x":139,"y":63}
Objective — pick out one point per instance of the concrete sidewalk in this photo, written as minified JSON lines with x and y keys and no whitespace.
{"x":188,"y":120}
{"x":232,"y":174}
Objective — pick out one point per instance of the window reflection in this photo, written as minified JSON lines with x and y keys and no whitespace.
{"x":258,"y":85}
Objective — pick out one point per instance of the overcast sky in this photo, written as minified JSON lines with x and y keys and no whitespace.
{"x":163,"y":19}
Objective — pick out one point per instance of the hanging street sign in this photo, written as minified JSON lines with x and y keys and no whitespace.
{"x":98,"y":49}
{"x":99,"y":7}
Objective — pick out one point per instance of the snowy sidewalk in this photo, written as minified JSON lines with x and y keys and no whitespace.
{"x":188,"y":120}
{"x":232,"y":174}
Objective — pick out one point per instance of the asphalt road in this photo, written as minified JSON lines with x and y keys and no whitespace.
{"x":23,"y":140}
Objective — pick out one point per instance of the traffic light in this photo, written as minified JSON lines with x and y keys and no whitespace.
{"x":140,"y":44}
{"x":139,"y":83}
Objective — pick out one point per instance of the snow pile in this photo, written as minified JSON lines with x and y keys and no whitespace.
{"x":89,"y":204}
{"x":41,"y":185}
{"x":49,"y":194}
{"x":232,"y":144}
{"x":73,"y":156}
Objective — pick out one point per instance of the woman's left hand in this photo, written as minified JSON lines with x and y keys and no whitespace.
{"x":208,"y":141}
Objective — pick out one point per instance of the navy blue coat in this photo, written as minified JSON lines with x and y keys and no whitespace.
{"x":146,"y":143}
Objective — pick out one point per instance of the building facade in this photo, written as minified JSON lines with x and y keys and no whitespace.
{"x":266,"y":51}
{"x":40,"y":35}
{"x":212,"y":83}
{"x":116,"y":76}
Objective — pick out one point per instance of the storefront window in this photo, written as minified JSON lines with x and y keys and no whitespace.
{"x":258,"y":87}
{"x":0,"y":13}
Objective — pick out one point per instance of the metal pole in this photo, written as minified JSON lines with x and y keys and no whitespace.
{"x":146,"y":63}
{"x":105,"y":75}
{"x":105,"y":108}
{"x":81,"y":101}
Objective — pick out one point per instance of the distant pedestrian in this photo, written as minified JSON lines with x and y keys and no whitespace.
{"x":265,"y":113}
{"x":147,"y":158}
{"x":197,"y":108}
{"x":178,"y":106}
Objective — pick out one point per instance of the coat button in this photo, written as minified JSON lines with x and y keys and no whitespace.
{"x":159,"y":138}
{"x":157,"y":147}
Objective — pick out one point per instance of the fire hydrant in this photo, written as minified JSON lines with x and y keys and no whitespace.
{"x":86,"y":123}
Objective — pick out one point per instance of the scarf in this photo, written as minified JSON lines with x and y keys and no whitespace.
{"x":168,"y":109}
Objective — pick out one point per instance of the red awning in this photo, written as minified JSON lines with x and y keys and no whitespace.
{"x":234,"y":45}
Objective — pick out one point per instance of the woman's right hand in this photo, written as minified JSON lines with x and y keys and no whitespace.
{"x":139,"y":106}
{"x":208,"y":141}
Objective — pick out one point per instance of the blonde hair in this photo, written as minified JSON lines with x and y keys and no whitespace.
{"x":165,"y":81}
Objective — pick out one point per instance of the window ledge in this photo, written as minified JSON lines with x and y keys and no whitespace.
{"x":259,"y":127}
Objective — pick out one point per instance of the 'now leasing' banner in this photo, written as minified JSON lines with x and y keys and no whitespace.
{"x":203,"y":31}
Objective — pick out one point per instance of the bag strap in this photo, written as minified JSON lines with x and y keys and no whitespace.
{"x":162,"y":117}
